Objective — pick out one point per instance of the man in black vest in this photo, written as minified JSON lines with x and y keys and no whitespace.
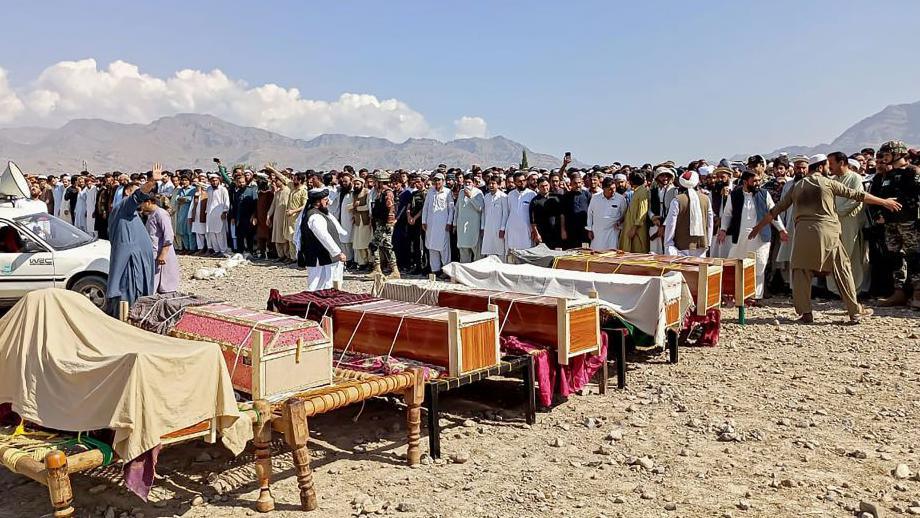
{"x":318,"y":242}
{"x":746,"y":205}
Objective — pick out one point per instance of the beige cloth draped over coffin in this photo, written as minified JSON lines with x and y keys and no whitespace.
{"x":66,"y":365}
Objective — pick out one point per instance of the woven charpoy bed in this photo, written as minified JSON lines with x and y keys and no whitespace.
{"x":50,"y":457}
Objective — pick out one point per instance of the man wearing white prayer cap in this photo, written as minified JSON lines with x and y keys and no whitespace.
{"x":437,"y":222}
{"x":660,"y":197}
{"x":688,"y":227}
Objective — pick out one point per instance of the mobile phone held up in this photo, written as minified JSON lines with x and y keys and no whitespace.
{"x":568,"y":156}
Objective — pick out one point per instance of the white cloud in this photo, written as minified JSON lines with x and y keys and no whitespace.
{"x":122,"y":93}
{"x":468,"y":127}
{"x":10,"y":104}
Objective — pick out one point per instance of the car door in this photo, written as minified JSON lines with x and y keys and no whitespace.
{"x":25,"y":263}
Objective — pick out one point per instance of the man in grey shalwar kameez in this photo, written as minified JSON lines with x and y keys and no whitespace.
{"x":159,"y":228}
{"x":131,"y":261}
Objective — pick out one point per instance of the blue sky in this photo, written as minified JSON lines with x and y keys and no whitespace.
{"x":607,"y":80}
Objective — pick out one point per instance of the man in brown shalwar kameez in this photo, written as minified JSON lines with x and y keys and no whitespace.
{"x":817,"y":246}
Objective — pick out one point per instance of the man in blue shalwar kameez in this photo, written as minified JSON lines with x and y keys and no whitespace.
{"x":131,"y":261}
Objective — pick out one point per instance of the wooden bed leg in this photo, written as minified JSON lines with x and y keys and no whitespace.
{"x":124,"y":309}
{"x":297,"y":435}
{"x":742,"y":314}
{"x":620,"y":353}
{"x":262,"y":438}
{"x":59,"y":484}
{"x":530,"y":390}
{"x":672,"y":346}
{"x":434,"y":420}
{"x":414,"y":396}
{"x":604,"y":374}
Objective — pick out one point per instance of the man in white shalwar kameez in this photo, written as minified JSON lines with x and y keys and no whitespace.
{"x":344,"y":216}
{"x":437,"y":216}
{"x":688,"y":227}
{"x":196,"y":217}
{"x":745,"y":206}
{"x":89,"y":194}
{"x":518,"y":233}
{"x":605,"y":216}
{"x":216,"y":217}
{"x":322,"y":252}
{"x":494,"y":214}
{"x":79,"y":208}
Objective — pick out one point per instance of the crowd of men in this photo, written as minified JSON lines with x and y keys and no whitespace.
{"x":418,"y":221}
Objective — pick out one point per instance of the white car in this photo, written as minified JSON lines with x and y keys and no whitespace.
{"x":38,"y":250}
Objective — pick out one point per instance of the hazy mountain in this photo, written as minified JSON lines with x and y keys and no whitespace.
{"x":896,"y":121}
{"x":191,"y":140}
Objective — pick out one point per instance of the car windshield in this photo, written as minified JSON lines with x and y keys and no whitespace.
{"x":59,"y":234}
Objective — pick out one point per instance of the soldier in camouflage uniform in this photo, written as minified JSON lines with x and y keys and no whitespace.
{"x":383,"y":217}
{"x":902,"y":229}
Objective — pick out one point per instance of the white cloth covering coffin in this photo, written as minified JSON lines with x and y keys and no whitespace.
{"x":639,"y":300}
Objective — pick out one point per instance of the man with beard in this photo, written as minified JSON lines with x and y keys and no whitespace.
{"x":263,"y":229}
{"x":90,"y":193}
{"x":747,"y":205}
{"x":660,"y":197}
{"x":103,"y":203}
{"x":546,"y":216}
{"x":296,"y":203}
{"x":218,"y":206}
{"x":784,"y":255}
{"x":817,"y":247}
{"x":244,"y":211}
{"x":634,"y":235}
{"x":468,"y":220}
{"x":318,"y":242}
{"x":361,"y":224}
{"x":494,"y":213}
{"x":518,"y":234}
{"x":343,"y":214}
{"x":575,"y":203}
{"x":688,"y":226}
{"x":48,"y":193}
{"x":182,"y":204}
{"x":383,"y":217}
{"x":852,"y":219}
{"x":902,"y":234}
{"x":621,"y":183}
{"x":401,"y":239}
{"x":418,"y":259}
{"x":605,"y":216}
{"x":277,"y":216}
{"x":437,"y":216}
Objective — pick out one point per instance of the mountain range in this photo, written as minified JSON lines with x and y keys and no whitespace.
{"x":191,"y":140}
{"x":896,"y":121}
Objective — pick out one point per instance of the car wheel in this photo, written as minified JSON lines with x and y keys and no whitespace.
{"x":93,"y":288}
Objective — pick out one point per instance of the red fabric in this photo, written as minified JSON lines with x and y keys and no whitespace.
{"x":711,"y":323}
{"x":314,"y":305}
{"x":551,"y":377}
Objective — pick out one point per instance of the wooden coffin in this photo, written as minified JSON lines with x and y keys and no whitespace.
{"x":704,"y":280}
{"x":457,"y":340}
{"x":738,"y":275}
{"x":572,"y":327}
{"x":267,"y":354}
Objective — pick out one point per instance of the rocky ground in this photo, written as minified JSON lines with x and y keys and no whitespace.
{"x":779,"y":420}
